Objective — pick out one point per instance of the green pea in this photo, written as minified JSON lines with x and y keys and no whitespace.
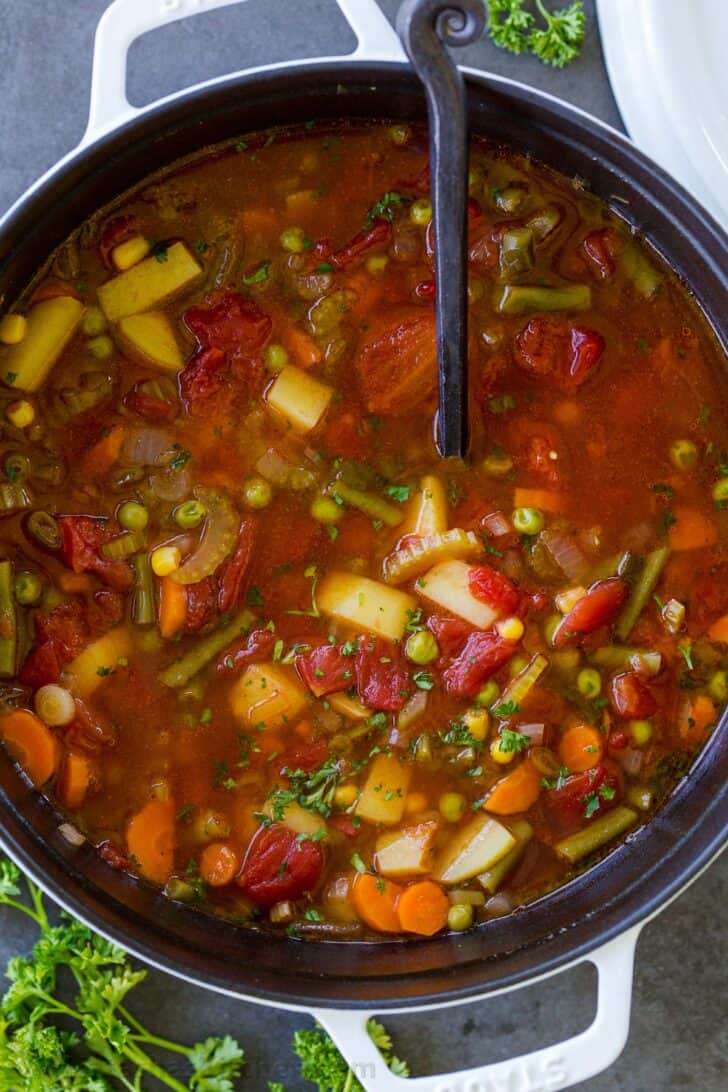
{"x":421,"y":212}
{"x":589,"y":683}
{"x":94,"y":322}
{"x":326,"y":510}
{"x":527,"y":521}
{"x":276,"y":357}
{"x":550,"y":626}
{"x":101,"y":347}
{"x":293,"y":240}
{"x":28,"y":588}
{"x":133,"y":516}
{"x":189,"y":514}
{"x":399,"y":134}
{"x":451,"y":806}
{"x":720,"y":491}
{"x":460,"y":917}
{"x":422,"y":647}
{"x":641,"y":732}
{"x":488,"y":694}
{"x":497,"y":464}
{"x":257,"y":493}
{"x":718,"y":686}
{"x":683,"y":454}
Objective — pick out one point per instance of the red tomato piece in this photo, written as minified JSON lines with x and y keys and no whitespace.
{"x":277,"y":866}
{"x":325,"y":670}
{"x":233,"y":574}
{"x":230,"y":322}
{"x":482,"y":655}
{"x":67,"y":630}
{"x":631,"y":697}
{"x":382,"y":680}
{"x":599,"y":249}
{"x":89,"y":730}
{"x":83,"y":537}
{"x":567,"y":804}
{"x":255,"y":648}
{"x":617,"y":741}
{"x":147,"y":406}
{"x":557,"y":352}
{"x":204,"y":385}
{"x":398,"y":370}
{"x":363,"y":241}
{"x":491,"y":587}
{"x":346,"y":435}
{"x":201,"y":607}
{"x":344,"y":824}
{"x":425,"y":290}
{"x":115,"y":857}
{"x":306,"y":755}
{"x":599,"y":607}
{"x":451,"y":634}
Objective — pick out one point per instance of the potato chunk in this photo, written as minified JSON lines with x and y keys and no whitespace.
{"x":365,"y":604}
{"x":150,"y":339}
{"x":427,"y":511}
{"x":267,"y":694}
{"x":446,"y":585}
{"x":383,"y":797}
{"x":473,"y":849}
{"x":99,"y":660}
{"x":51,"y":325}
{"x":300,"y":398}
{"x":149,"y":284}
{"x":406,"y":852}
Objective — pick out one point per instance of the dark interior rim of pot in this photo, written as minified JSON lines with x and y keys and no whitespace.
{"x":634,"y":880}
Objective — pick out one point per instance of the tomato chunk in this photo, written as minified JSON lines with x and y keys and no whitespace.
{"x":491,"y":587}
{"x":233,"y":574}
{"x":560,"y":354}
{"x":599,"y":607}
{"x":362,"y":243}
{"x":231,"y":323}
{"x":594,"y":791}
{"x":83,"y":537}
{"x":325,"y":670}
{"x":451,"y":633}
{"x":255,"y":648}
{"x":631,"y":697}
{"x":382,"y":680}
{"x":482,"y":656}
{"x":278,"y":866}
{"x":201,"y":607}
{"x":398,"y":370}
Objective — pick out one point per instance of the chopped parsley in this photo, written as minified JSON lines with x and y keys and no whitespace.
{"x":262,"y":273}
{"x":399,"y":493}
{"x":511,"y":742}
{"x":386,"y":207}
{"x":506,"y":709}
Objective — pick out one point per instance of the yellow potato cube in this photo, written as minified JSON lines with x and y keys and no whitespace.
{"x":446,"y":585}
{"x":12,"y":329}
{"x":473,"y":849}
{"x":130,"y":252}
{"x":98,"y":661}
{"x":384,"y":794}
{"x":298,"y":397}
{"x":365,"y":604}
{"x":150,"y":339}
{"x":50,"y":326}
{"x":149,"y":284}
{"x":267,"y":694}
{"x":406,"y":852}
{"x":348,"y":707}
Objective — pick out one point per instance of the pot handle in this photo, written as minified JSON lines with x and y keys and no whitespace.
{"x":126,"y":20}
{"x":555,"y":1067}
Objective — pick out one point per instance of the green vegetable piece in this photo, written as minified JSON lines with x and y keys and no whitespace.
{"x":460,"y":917}
{"x":143,"y":609}
{"x":218,"y":537}
{"x":207,"y":648}
{"x":422,"y":647}
{"x":589,"y":683}
{"x":133,"y":516}
{"x":257,"y":493}
{"x":641,"y":592}
{"x":528,"y":521}
{"x":683,"y":454}
{"x":516,"y":251}
{"x":44,"y":530}
{"x":28,"y":588}
{"x":13,"y":497}
{"x":8,"y":622}
{"x":604,"y":828}
{"x":123,"y":545}
{"x":719,"y":491}
{"x":639,"y":270}
{"x":190,"y":514}
{"x":518,"y":299}
{"x":497,"y":464}
{"x":17,"y":467}
{"x":492,"y":879}
{"x":368,"y":503}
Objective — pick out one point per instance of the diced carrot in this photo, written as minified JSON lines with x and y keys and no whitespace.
{"x":581,"y":747}
{"x":692,"y":530}
{"x":74,"y":583}
{"x":375,"y":901}
{"x":75,"y":780}
{"x":304,"y":729}
{"x":258,"y":221}
{"x":100,"y":458}
{"x":32,"y":744}
{"x":304,"y":350}
{"x":172,"y":607}
{"x":695,"y":717}
{"x":150,"y":840}
{"x":219,"y":863}
{"x":422,"y":908}
{"x":545,"y":499}
{"x":516,"y":792}
{"x":719,"y":630}
{"x":415,"y":803}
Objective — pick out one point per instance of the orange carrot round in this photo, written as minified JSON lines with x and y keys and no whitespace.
{"x":581,"y":747}
{"x":75,"y":780}
{"x":219,"y":863}
{"x":150,"y":840}
{"x":172,"y":607}
{"x":422,"y":908}
{"x":516,"y":792}
{"x":32,"y":744}
{"x":375,"y":901}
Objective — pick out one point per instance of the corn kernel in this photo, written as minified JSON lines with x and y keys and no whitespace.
{"x":20,"y":413}
{"x":415,"y":803}
{"x":131,"y":251}
{"x":477,"y":722}
{"x":641,"y":732}
{"x":12,"y":329}
{"x":451,"y":806}
{"x":421,"y":212}
{"x":567,"y":600}
{"x":510,"y":629}
{"x":376,"y":264}
{"x":499,"y":755}
{"x":165,"y":560}
{"x":345,"y":796}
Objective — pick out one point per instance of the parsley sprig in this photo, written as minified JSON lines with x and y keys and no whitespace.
{"x":556,"y":39}
{"x":322,"y":1064}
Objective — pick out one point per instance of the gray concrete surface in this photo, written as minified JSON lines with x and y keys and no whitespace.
{"x":677,"y":1038}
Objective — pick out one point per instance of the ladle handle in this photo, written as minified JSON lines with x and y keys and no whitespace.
{"x":426,"y":28}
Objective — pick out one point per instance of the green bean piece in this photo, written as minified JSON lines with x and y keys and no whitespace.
{"x":143,"y":610}
{"x":596,"y":834}
{"x":642,"y":590}
{"x":13,"y":497}
{"x":17,"y":467}
{"x":510,"y":199}
{"x":516,"y":251}
{"x":640,"y":271}
{"x":123,"y":545}
{"x":28,"y":588}
{"x":207,"y":648}
{"x":517,"y":299}
{"x":368,"y":503}
{"x":624,"y":658}
{"x":44,"y":529}
{"x":494,"y":876}
{"x":8,"y":622}
{"x":622,"y":564}
{"x":543,"y":222}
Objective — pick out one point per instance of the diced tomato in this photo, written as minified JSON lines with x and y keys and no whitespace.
{"x":617,"y":741}
{"x":425,"y":290}
{"x":229,"y":322}
{"x":204,"y":385}
{"x":233,"y":574}
{"x":451,"y":633}
{"x":631,"y":697}
{"x":325,"y":670}
{"x":255,"y":648}
{"x":306,"y":755}
{"x":557,"y":352}
{"x":398,"y":370}
{"x":599,"y":248}
{"x":482,"y":656}
{"x":346,"y":435}
{"x":382,"y":680}
{"x":114,"y":233}
{"x":364,"y":241}
{"x":278,"y":866}
{"x":345,"y":824}
{"x":533,"y":443}
{"x":148,"y":406}
{"x":83,"y":537}
{"x":67,"y":630}
{"x":567,"y":804}
{"x":599,"y":607}
{"x":89,"y":730}
{"x":491,"y":587}
{"x":201,"y":607}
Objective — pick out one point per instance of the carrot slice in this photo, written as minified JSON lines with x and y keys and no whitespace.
{"x":219,"y":863}
{"x":32,"y":744}
{"x":172,"y":607}
{"x":302,"y":348}
{"x":719,"y":630}
{"x":581,"y":747}
{"x":422,"y":908}
{"x":75,"y":583}
{"x":100,"y":458}
{"x":75,"y":780}
{"x":545,"y":499}
{"x":692,"y":530}
{"x":518,"y":791}
{"x":375,"y":901}
{"x":695,"y":718}
{"x":150,"y":840}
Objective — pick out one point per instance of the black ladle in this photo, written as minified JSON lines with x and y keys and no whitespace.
{"x":426,"y":27}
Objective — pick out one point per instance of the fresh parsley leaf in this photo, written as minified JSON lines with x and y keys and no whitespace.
{"x":386,"y":207}
{"x":506,"y":709}
{"x":181,"y":459}
{"x":399,"y":493}
{"x":358,"y":863}
{"x":509,"y":24}
{"x":262,"y":273}
{"x":560,"y":42}
{"x":424,"y":680}
{"x":511,"y":742}
{"x":591,"y":804}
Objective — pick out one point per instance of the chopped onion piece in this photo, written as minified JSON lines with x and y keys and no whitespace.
{"x":71,"y":834}
{"x":497,"y":524}
{"x":273,"y":467}
{"x":535,"y":733}
{"x":413,"y":710}
{"x":565,"y":553}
